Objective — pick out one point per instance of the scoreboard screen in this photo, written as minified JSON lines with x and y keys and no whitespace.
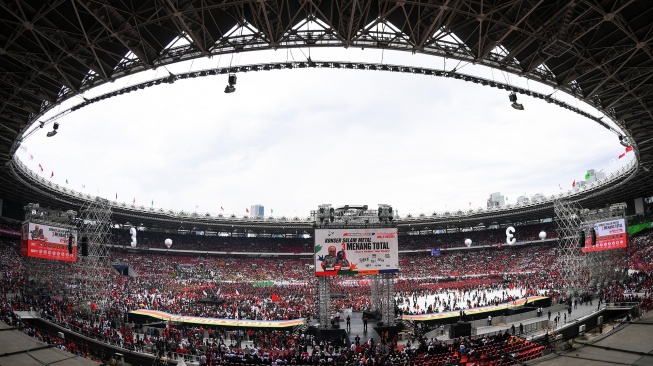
{"x":48,"y":242}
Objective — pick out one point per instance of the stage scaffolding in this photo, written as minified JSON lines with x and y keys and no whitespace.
{"x":570,"y":261}
{"x":93,"y":272}
{"x":388,"y":299}
{"x":324,"y":294}
{"x":381,"y":286}
{"x":606,"y":267}
{"x":586,"y":272}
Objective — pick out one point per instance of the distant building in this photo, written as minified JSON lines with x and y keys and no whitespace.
{"x":496,"y":200}
{"x":257,"y":211}
{"x":593,"y":175}
{"x":538,"y":197}
{"x":523,"y":200}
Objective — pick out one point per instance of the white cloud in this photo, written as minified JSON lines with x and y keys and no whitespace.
{"x":294,"y":139}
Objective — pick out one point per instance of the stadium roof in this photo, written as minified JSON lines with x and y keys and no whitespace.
{"x":598,"y":51}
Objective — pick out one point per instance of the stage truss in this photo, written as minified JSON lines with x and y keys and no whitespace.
{"x":387,"y":299}
{"x":606,"y":266}
{"x":381,"y":286}
{"x":585,"y":272}
{"x":324,"y":299}
{"x":570,"y":261}
{"x":93,"y":272}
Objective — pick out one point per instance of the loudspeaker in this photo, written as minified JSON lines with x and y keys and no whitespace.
{"x":582,"y":239}
{"x":84,"y":245}
{"x":460,"y":329}
{"x":70,"y":245}
{"x":593,"y":233}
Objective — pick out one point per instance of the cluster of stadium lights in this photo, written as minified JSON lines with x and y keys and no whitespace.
{"x":55,"y":127}
{"x":353,"y":215}
{"x":230,"y":88}
{"x":231,"y":71}
{"x":513,"y":100}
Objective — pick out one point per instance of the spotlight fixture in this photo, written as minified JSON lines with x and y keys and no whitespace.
{"x":513,"y":100}
{"x":623,"y":141}
{"x":232,"y":81}
{"x":55,"y":127}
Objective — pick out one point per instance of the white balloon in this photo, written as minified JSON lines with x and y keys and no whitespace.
{"x":542,"y":235}
{"x":468,"y":242}
{"x":168,"y":243}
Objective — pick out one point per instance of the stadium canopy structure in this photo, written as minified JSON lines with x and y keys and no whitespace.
{"x":597,"y":51}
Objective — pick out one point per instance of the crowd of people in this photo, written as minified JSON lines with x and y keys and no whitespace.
{"x":265,"y":288}
{"x":202,"y":241}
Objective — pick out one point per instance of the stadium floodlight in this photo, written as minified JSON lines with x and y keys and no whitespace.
{"x":54,"y":130}
{"x":623,"y":141}
{"x":232,"y":81}
{"x":513,"y":100}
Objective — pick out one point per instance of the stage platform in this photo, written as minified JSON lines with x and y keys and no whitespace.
{"x":144,"y":315}
{"x":374,"y":329}
{"x":480,"y":312}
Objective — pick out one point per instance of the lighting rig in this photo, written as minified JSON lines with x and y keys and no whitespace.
{"x":352,"y":216}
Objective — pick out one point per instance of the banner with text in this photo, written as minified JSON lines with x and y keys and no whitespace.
{"x":356,"y":251}
{"x":48,"y":242}
{"x":609,"y":235}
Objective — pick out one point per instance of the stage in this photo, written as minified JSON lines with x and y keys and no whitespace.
{"x":145,"y":315}
{"x":508,"y":308}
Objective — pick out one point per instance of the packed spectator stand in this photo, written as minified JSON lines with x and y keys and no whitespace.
{"x":174,"y":283}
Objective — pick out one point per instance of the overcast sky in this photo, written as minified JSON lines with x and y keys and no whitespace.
{"x":291,"y":140}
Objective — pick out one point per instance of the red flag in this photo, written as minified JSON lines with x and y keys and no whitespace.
{"x":52,"y":175}
{"x":274,"y":297}
{"x":41,"y":167}
{"x":622,"y":155}
{"x":574,"y":184}
{"x":93,"y":306}
{"x":247,"y":210}
{"x":629,"y":148}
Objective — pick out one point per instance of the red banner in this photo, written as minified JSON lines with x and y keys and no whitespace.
{"x":45,"y":250}
{"x":607,"y":242}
